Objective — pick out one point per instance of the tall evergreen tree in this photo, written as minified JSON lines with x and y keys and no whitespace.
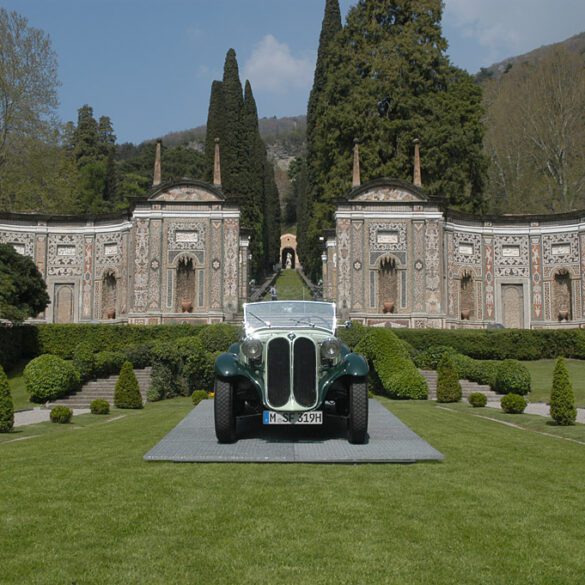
{"x":215,"y":126}
{"x":388,"y":81}
{"x":107,"y":152}
{"x":85,"y":138}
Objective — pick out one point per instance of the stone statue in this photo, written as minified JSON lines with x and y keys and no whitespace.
{"x":288,"y":262}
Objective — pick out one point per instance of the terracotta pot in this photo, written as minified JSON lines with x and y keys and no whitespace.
{"x":186,"y":305}
{"x":465,"y":314}
{"x":563,"y":314}
{"x":110,"y":313}
{"x":388,"y":306}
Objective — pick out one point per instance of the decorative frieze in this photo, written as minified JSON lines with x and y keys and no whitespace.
{"x":387,"y":237}
{"x":65,"y":255}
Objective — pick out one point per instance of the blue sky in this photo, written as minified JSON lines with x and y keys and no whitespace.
{"x":148,"y":64}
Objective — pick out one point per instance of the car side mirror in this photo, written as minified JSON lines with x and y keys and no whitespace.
{"x":348,"y":324}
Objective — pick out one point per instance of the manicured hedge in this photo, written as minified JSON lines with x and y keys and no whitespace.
{"x":48,"y":377}
{"x":62,"y":340}
{"x":16,"y":343}
{"x":6,"y":404}
{"x":396,"y":372}
{"x":501,"y":344}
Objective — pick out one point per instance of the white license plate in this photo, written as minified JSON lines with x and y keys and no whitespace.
{"x":314,"y":417}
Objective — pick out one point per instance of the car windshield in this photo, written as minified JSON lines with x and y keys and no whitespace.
{"x":289,"y":314}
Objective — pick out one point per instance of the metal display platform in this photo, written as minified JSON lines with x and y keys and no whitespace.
{"x":389,"y":441}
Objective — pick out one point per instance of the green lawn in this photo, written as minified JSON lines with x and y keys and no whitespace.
{"x":17,"y":389}
{"x":289,"y":286}
{"x":541,"y":373}
{"x":79,"y":505}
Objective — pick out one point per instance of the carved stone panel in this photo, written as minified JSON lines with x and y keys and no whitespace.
{"x":511,"y":256}
{"x":141,"y":255}
{"x":489,"y":279}
{"x":513,"y":306}
{"x":357,"y":251}
{"x":154,"y":284}
{"x":419,"y":266}
{"x":87,"y":286}
{"x":216,"y":273}
{"x":387,"y":237}
{"x":65,"y":255}
{"x":536,"y":276}
{"x":433,"y":267}
{"x":64,"y":299}
{"x":230,"y":273}
{"x":23,"y":243}
{"x":344,"y":263}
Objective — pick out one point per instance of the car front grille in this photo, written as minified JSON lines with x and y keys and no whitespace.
{"x":303,"y":353}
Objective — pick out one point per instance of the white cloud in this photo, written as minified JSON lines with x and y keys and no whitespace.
{"x":503,"y":28}
{"x":272,"y":67}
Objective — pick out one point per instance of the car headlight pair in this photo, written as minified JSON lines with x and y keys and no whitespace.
{"x":252,"y":348}
{"x":330,"y":349}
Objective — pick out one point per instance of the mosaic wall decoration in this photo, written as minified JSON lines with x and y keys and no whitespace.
{"x":188,"y":235}
{"x":41,"y":253}
{"x":467,"y":248}
{"x":232,"y":242}
{"x":536,"y":272}
{"x":387,"y":194}
{"x":23,"y":243}
{"x":488,"y":247}
{"x":433,"y":267}
{"x":583,"y":273}
{"x":87,"y":287}
{"x":344,"y":263}
{"x":560,"y":248}
{"x":419,"y":265}
{"x":386,"y":244}
{"x":141,"y":238}
{"x":357,"y":245}
{"x":451,"y":276}
{"x":61,"y":264}
{"x":216,"y":275}
{"x":108,"y":252}
{"x":155,"y":245}
{"x":511,"y":256}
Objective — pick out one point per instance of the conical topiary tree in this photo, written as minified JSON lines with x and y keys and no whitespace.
{"x":562,"y":398}
{"x":6,"y":405}
{"x":127,"y":393}
{"x":448,"y":387}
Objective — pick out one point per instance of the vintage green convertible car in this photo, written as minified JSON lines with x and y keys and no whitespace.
{"x":290,"y":369}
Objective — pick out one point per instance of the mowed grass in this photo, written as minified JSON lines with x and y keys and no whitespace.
{"x":20,"y":396}
{"x":79,"y":504}
{"x":290,"y":286}
{"x":541,"y":373}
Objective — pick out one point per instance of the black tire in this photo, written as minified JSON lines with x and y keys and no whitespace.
{"x":224,"y":411}
{"x":357,"y":422}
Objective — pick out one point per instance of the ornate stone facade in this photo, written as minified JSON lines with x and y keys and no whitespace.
{"x":124,"y":269}
{"x":448,"y":269}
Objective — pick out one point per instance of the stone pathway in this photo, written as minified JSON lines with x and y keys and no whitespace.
{"x":542,"y":409}
{"x":39,"y":415}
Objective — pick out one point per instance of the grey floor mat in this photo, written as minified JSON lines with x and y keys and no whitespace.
{"x":389,"y":441}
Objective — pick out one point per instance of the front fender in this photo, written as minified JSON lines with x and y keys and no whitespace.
{"x":228,"y":366}
{"x":356,"y":365}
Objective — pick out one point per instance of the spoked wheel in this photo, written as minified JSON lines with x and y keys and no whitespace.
{"x":357,"y":422}
{"x":224,"y":411}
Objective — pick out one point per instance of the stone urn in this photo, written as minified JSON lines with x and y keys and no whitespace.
{"x":465,"y":314}
{"x":110,"y":313}
{"x":388,"y":306}
{"x":564,"y":314}
{"x":186,"y":305}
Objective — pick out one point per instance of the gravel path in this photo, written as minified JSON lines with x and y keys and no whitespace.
{"x":38,"y":415}
{"x":541,"y":409}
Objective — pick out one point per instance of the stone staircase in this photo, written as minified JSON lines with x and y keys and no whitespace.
{"x":104,"y":389}
{"x":467,"y":387}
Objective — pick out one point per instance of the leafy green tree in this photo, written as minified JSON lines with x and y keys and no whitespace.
{"x":388,"y":81}
{"x":23,"y":292}
{"x":6,"y":404}
{"x":562,"y":398}
{"x":127,"y":391}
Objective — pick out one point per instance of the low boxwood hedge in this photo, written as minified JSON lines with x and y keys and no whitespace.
{"x":61,"y":415}
{"x":394,"y":369}
{"x":512,"y":377}
{"x":513,"y":403}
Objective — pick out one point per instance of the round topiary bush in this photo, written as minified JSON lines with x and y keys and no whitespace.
{"x":513,"y":403}
{"x":448,"y":387}
{"x":48,"y":377}
{"x":100,"y":406}
{"x":562,"y":398}
{"x":477,"y":399}
{"x":198,"y":396}
{"x":61,"y":415}
{"x":127,"y":392}
{"x":6,"y":404}
{"x":512,"y":377}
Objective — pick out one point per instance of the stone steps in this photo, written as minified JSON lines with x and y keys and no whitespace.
{"x":467,"y":387}
{"x":103,"y":389}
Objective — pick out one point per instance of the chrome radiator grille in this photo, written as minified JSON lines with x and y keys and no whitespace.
{"x":302,"y":354}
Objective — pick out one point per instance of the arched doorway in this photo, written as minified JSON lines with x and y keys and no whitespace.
{"x":288,"y":258}
{"x":63,"y":311}
{"x":109,"y":296}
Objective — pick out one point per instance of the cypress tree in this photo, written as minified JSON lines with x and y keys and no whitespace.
{"x":85,"y":137}
{"x":389,"y":81}
{"x":6,"y":404}
{"x":272,"y":213}
{"x":448,"y":386}
{"x":127,"y":392}
{"x":562,"y":398}
{"x":107,"y":152}
{"x":215,"y":127}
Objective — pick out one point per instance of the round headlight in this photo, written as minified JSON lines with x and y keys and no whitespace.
{"x":252,"y":348}
{"x":330,"y":348}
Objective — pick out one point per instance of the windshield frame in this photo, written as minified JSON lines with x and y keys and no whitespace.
{"x":256,"y":321}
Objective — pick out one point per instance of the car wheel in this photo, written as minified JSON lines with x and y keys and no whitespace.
{"x":224,"y":411}
{"x":357,"y":422}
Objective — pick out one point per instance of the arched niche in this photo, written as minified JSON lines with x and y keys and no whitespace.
{"x":467,"y":296}
{"x":186,"y":285}
{"x":562,"y":295}
{"x":388,"y":284}
{"x":288,"y":258}
{"x":109,"y":295}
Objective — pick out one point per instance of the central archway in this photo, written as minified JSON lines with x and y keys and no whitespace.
{"x":288,"y":258}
